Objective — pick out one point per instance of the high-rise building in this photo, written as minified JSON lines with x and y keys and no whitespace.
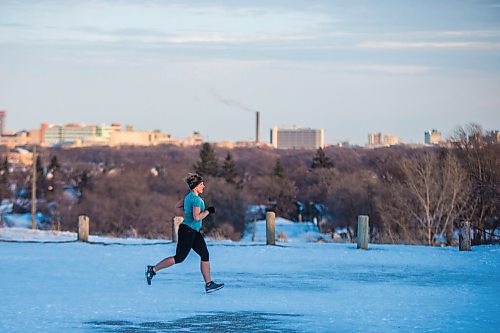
{"x":89,"y":135}
{"x":57,"y":134}
{"x":3,"y":114}
{"x":391,"y":140}
{"x":104,"y":132}
{"x":432,"y":137}
{"x":375,"y":139}
{"x":296,"y":137}
{"x":493,"y":136}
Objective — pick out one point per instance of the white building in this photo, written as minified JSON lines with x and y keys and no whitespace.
{"x":375,"y":139}
{"x":294,"y":137}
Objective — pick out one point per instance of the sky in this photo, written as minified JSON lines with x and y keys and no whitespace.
{"x":349,"y":67}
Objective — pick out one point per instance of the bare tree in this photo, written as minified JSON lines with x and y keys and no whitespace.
{"x":410,"y":196}
{"x":480,"y":159}
{"x":230,"y":203}
{"x":351,"y":195}
{"x":437,"y":191}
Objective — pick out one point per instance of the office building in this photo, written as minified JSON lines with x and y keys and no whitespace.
{"x":294,"y":137}
{"x":493,"y":136}
{"x":432,"y":137}
{"x":194,"y":139}
{"x":375,"y":139}
{"x":71,"y":133}
{"x":391,"y":140}
{"x":136,"y":138}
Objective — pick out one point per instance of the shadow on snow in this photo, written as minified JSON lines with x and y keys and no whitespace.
{"x":206,"y":322}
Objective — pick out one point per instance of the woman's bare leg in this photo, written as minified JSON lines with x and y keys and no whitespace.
{"x":205,"y":271}
{"x":167,"y":262}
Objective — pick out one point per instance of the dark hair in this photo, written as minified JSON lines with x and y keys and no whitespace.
{"x":193,"y":180}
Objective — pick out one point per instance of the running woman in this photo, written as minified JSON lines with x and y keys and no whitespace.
{"x":189,"y":236}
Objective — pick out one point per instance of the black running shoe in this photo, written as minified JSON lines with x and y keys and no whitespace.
{"x":212,"y":286}
{"x":149,"y":274}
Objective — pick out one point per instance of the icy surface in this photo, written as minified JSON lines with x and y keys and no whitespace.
{"x":293,"y":287}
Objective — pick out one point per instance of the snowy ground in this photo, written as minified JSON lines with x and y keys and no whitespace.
{"x":293,"y":287}
{"x":284,"y":229}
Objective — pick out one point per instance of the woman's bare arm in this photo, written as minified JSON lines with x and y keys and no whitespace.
{"x":198,"y":214}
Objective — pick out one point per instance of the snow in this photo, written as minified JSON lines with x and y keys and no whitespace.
{"x":290,"y":231}
{"x":22,"y":220}
{"x":292,"y":287}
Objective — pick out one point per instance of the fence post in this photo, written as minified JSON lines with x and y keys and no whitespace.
{"x":175,"y":227}
{"x":270,"y":228}
{"x":464,"y":243}
{"x":363,"y":232}
{"x":83,"y":228}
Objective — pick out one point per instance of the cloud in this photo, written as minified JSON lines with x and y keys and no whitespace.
{"x":14,"y":25}
{"x":428,"y":45}
{"x":233,"y":39}
{"x":393,"y":69}
{"x":158,"y":22}
{"x":469,"y":33}
{"x":93,"y":34}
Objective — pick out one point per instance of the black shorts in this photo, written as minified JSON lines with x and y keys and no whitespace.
{"x":188,"y":239}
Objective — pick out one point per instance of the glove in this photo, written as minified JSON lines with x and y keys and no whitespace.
{"x":211,"y":209}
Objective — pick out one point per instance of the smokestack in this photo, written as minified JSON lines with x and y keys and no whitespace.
{"x":3,"y":114}
{"x":257,"y":124}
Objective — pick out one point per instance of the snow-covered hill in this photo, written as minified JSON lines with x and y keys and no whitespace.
{"x":294,"y":287}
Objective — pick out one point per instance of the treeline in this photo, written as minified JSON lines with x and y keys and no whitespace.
{"x":416,"y":196}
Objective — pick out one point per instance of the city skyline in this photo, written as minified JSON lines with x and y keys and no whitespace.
{"x":352,"y":68}
{"x":373,"y":139}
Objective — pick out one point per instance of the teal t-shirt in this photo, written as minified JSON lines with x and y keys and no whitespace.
{"x":192,"y":200}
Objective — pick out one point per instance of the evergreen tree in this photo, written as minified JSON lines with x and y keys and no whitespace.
{"x":321,"y":160}
{"x":39,"y":166}
{"x":84,"y":182}
{"x":228,"y":171}
{"x":207,"y":165}
{"x":54,"y":164}
{"x":279,"y":170}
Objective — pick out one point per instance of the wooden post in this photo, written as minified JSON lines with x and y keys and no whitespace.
{"x":175,"y":228}
{"x":464,"y":242}
{"x":270,"y":228}
{"x":363,"y":232}
{"x":83,"y":228}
